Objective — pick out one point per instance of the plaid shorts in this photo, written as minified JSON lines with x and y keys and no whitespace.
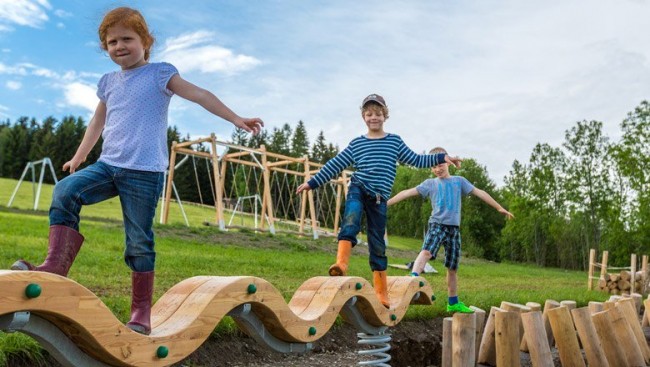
{"x":449,"y":236}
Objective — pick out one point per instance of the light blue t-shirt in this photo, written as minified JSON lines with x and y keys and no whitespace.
{"x":445,"y":195}
{"x":137,"y":100}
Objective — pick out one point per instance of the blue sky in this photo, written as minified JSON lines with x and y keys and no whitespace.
{"x":485,"y":79}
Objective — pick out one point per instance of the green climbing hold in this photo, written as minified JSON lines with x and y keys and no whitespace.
{"x":393,"y":317}
{"x":358,"y":286}
{"x":312,"y":331}
{"x":252,"y":288}
{"x":33,"y":290}
{"x":433,"y":297}
{"x":162,"y":351}
{"x":421,"y":283}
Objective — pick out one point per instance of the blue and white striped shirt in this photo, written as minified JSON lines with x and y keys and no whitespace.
{"x":375,"y":163}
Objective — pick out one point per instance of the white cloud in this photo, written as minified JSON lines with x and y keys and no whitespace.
{"x":62,"y":13}
{"x":81,"y":94}
{"x":24,"y":12}
{"x":194,"y":52}
{"x":13,"y":85}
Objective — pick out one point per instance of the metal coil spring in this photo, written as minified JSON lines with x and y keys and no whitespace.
{"x":381,"y":344}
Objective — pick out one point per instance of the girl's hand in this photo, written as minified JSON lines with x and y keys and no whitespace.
{"x":303,"y":187}
{"x":506,"y":213}
{"x":73,"y":164}
{"x":253,"y":125}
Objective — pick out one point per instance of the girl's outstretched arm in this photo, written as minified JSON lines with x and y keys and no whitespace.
{"x":211,"y":103}
{"x":92,"y":134}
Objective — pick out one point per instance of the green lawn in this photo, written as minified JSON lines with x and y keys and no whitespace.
{"x":284,"y":260}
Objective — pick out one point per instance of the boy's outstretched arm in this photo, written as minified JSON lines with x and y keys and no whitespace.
{"x":488,"y":199}
{"x":404,"y":194}
{"x":210,"y":102}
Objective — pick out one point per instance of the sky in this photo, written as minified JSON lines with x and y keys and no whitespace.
{"x":485,"y":79}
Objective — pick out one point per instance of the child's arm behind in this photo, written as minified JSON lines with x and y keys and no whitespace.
{"x":490,"y":201}
{"x":404,"y":194}
{"x":211,"y":103}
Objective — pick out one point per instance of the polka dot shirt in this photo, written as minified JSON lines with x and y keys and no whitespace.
{"x":137,"y":101}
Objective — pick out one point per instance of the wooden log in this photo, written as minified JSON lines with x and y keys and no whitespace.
{"x":480,"y":323}
{"x":595,"y":307}
{"x":534,"y":306}
{"x":565,"y":337}
{"x":487,"y":353}
{"x":638,"y":302}
{"x":622,"y":330}
{"x":515,"y":307}
{"x":463,"y":331}
{"x":614,"y":277}
{"x":537,"y":342}
{"x":610,"y":343}
{"x":507,"y":338}
{"x":590,"y":342}
{"x":602,"y":284}
{"x":625,"y":275}
{"x":623,"y":285}
{"x":549,"y":305}
{"x":446,"y":342}
{"x":628,"y":310}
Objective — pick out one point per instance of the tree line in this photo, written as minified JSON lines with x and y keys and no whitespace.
{"x":589,"y":192}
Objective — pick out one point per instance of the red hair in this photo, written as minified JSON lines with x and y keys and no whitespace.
{"x":129,"y":18}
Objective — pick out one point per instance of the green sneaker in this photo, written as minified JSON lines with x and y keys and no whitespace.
{"x":459,"y":307}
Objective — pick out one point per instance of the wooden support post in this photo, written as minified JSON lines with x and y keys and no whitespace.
{"x":610,"y":343}
{"x":645,"y":320}
{"x":638,"y":302}
{"x":267,"y":202}
{"x":480,"y":323}
{"x":487,"y":353}
{"x":218,"y":200}
{"x":565,"y":337}
{"x":446,"y":342}
{"x":463,"y":330}
{"x":549,"y":305}
{"x":534,"y":306}
{"x":603,"y":264}
{"x":590,"y":341}
{"x":507,"y":337}
{"x":537,"y":342}
{"x":590,"y":274}
{"x":312,"y":205}
{"x":303,"y":202}
{"x":623,"y":332}
{"x":633,"y":267}
{"x":644,"y":274}
{"x":170,"y":182}
{"x":337,"y":212}
{"x":628,"y":310}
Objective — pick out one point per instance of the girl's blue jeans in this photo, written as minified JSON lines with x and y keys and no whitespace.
{"x":138,"y":191}
{"x":359,"y":201}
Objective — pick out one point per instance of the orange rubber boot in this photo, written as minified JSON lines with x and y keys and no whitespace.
{"x":381,"y":287}
{"x":340,"y":269}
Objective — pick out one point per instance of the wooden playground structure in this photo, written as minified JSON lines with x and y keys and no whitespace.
{"x":263,"y":175}
{"x":78,"y":329}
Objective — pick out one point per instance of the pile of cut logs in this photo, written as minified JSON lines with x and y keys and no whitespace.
{"x":621,"y":283}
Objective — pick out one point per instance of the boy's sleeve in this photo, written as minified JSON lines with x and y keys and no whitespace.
{"x":332,"y":168}
{"x":425,"y":188}
{"x":408,"y":156}
{"x":466,"y":187}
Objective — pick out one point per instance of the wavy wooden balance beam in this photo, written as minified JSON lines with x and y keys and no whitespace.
{"x":78,"y":329}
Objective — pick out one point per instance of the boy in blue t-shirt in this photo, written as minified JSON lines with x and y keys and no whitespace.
{"x":445,"y":192}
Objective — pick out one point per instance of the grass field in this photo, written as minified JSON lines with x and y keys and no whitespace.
{"x":284,"y":260}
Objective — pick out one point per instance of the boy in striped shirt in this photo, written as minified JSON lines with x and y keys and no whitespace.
{"x":374,"y":156}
